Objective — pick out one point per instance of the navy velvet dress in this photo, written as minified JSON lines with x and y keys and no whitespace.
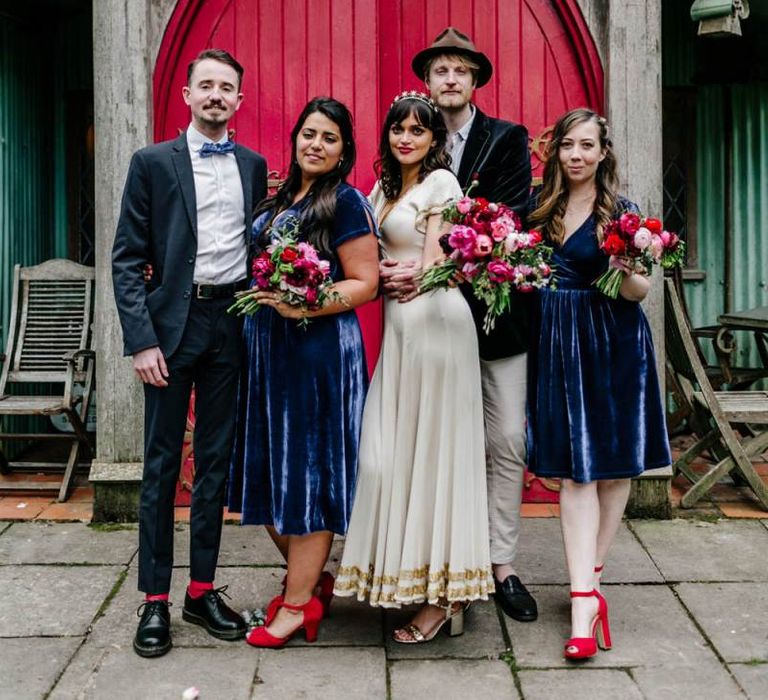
{"x":301,"y":405}
{"x":594,"y":404}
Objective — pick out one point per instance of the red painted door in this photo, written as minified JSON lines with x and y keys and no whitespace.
{"x":359,"y":51}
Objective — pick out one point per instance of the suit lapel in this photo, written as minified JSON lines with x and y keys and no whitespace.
{"x":479,"y":136}
{"x":182,"y":163}
{"x":246,"y":180}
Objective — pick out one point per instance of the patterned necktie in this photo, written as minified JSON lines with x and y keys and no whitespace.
{"x":209,"y":149}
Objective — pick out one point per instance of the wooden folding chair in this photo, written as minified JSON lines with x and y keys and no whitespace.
{"x":721,"y":373}
{"x":49,"y":345}
{"x":722,"y":410}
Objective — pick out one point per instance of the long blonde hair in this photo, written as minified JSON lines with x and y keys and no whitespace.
{"x":548,"y":216}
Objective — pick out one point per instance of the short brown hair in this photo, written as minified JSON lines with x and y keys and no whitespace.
{"x":221,"y":56}
{"x":466,"y":60}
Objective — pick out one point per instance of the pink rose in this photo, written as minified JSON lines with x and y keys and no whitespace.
{"x":499,"y":271}
{"x":483,"y":246}
{"x":463,"y":239}
{"x":545,"y":269}
{"x":642,"y":238}
{"x":470,"y":270}
{"x":464,"y":205}
{"x":657,"y":246}
{"x":501,"y":228}
{"x":308,"y":252}
{"x":311,"y":296}
{"x":629,"y":222}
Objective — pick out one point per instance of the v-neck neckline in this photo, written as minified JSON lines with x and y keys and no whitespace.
{"x":576,"y":230}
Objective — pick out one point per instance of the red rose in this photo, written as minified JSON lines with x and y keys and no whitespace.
{"x":653,"y":225}
{"x":289,"y":255}
{"x":629,"y":222}
{"x":614,"y":245}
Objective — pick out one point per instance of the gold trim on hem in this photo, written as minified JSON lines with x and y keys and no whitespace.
{"x":414,"y":585}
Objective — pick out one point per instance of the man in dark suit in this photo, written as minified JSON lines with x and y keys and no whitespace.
{"x":186,"y":215}
{"x":495,"y":154}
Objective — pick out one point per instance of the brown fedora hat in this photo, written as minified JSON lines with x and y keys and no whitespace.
{"x":451,"y":40}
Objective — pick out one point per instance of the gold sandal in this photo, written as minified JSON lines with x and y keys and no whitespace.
{"x":456,"y":628}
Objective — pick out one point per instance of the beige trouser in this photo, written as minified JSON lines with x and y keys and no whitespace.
{"x":504,"y":407}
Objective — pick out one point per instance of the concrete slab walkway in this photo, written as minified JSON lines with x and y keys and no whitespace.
{"x":688,"y":616}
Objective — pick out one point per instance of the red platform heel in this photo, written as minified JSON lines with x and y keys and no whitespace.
{"x":313,"y":613}
{"x":586,"y":647}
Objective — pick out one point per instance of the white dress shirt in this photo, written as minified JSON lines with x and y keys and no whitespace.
{"x":221,"y":246}
{"x":457,"y":141}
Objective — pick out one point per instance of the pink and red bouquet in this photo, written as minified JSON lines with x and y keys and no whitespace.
{"x":637,"y":243}
{"x":486,"y":247}
{"x":291,"y":268}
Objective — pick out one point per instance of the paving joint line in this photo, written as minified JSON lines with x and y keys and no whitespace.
{"x":706,"y":638}
{"x":116,"y":586}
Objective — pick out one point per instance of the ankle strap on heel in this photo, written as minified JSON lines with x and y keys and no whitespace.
{"x":584,"y":594}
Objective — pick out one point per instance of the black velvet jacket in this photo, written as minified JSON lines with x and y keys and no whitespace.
{"x":497,"y":151}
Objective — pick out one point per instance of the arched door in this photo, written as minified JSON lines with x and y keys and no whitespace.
{"x":359,"y":51}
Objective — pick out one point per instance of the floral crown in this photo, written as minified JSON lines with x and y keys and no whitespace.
{"x":414,"y":95}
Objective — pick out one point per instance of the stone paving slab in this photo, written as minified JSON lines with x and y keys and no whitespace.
{"x":567,"y":684}
{"x":241,"y":545}
{"x":690,"y":550}
{"x":66,"y":543}
{"x":292,"y":674}
{"x":29,"y":667}
{"x":753,"y":678}
{"x":647,"y":623}
{"x":451,"y":679}
{"x":732,"y":615}
{"x":541,"y":558}
{"x":704,"y":681}
{"x":482,"y":638}
{"x":52,"y":600}
{"x":4,"y":525}
{"x":219,"y":674}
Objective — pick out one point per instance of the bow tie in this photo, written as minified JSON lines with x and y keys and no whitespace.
{"x":209,"y":149}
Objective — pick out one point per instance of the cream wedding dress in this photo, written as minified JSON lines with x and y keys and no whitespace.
{"x":419,"y":525}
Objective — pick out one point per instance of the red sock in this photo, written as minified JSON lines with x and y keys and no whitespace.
{"x":158,"y":596}
{"x":198,"y":588}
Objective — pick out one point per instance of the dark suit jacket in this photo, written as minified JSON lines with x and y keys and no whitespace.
{"x":497,"y":151}
{"x":158,"y":225}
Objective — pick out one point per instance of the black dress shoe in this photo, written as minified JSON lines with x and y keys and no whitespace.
{"x":515,"y":600}
{"x":153,"y":637}
{"x":211,"y":612}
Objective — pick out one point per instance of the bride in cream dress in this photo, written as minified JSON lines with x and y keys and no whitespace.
{"x":419,"y":526}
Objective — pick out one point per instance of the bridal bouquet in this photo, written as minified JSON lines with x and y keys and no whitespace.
{"x":486,"y":247}
{"x":291,"y":268}
{"x":637,"y":243}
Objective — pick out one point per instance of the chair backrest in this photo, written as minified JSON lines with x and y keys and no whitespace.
{"x":51,"y":315}
{"x":681,"y":348}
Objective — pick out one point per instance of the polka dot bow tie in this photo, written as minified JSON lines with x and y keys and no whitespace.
{"x":209,"y":149}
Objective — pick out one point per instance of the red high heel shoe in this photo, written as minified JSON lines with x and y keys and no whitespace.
{"x":324,"y":595}
{"x":313,"y":613}
{"x":586,"y":647}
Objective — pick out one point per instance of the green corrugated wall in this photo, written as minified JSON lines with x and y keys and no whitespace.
{"x":26,"y":231}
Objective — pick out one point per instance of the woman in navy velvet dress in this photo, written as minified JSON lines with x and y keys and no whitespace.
{"x":295,"y":461}
{"x":595,"y":415}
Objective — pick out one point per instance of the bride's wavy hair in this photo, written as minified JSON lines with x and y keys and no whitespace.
{"x":387,"y":167}
{"x":552,"y":200}
{"x":318,"y":217}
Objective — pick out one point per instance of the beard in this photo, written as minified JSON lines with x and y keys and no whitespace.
{"x":452,"y":103}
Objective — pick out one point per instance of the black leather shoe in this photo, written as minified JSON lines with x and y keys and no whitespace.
{"x":153,"y":637}
{"x":211,"y":612}
{"x":515,"y":600}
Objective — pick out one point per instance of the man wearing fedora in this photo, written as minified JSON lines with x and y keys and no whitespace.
{"x":495,"y":153}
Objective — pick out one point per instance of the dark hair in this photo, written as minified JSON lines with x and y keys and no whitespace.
{"x":552,"y":200}
{"x":221,"y":56}
{"x":318,"y":216}
{"x":388,"y":167}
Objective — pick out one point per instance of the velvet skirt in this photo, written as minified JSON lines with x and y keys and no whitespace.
{"x":301,"y":401}
{"x":594,"y":405}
